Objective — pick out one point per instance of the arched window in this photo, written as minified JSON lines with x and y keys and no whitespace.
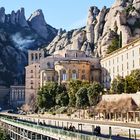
{"x":74,"y":75}
{"x":36,"y":56}
{"x":48,"y":65}
{"x":83,"y":77}
{"x":48,"y":78}
{"x":32,"y":56}
{"x":40,"y":55}
{"x":64,"y":76}
{"x":83,"y":71}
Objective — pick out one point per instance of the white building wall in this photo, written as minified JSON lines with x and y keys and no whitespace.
{"x":120,"y":62}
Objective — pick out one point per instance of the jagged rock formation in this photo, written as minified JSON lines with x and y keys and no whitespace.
{"x":17,"y":35}
{"x":38,"y":23}
{"x":122,"y":19}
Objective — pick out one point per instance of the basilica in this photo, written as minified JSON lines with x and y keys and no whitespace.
{"x":61,"y":67}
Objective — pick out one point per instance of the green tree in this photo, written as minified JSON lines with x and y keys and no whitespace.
{"x":46,"y":95}
{"x":120,"y":40}
{"x":73,"y":87}
{"x":117,"y":85}
{"x":94,"y":93}
{"x":3,"y":135}
{"x":136,"y":78}
{"x":129,"y":85}
{"x":132,"y":82}
{"x":62,"y":98}
{"x":82,"y":98}
{"x":115,"y":44}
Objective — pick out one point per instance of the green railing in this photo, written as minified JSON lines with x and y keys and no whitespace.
{"x":59,"y":132}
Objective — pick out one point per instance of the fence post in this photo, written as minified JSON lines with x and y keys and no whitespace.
{"x":135,"y":136}
{"x":110,"y":132}
{"x":93,"y":127}
{"x":129,"y":133}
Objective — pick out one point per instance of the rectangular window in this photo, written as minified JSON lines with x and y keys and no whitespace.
{"x":127,"y":65}
{"x":113,"y":70}
{"x":133,"y":64}
{"x":109,"y":70}
{"x":122,"y":57}
{"x":127,"y":55}
{"x":117,"y":59}
{"x":133,"y":53}
{"x":117,"y":68}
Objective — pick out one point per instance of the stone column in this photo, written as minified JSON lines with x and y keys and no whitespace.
{"x":127,"y":116}
{"x":134,"y":117}
{"x":121,"y":117}
{"x":115,"y":116}
{"x":109,"y":116}
{"x":41,"y":137}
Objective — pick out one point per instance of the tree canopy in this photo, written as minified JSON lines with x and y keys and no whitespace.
{"x":76,"y":93}
{"x":129,"y":84}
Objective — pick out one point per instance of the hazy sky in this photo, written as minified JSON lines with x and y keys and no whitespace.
{"x":67,"y":14}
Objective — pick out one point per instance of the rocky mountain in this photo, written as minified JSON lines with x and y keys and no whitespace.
{"x":17,"y":35}
{"x":121,"y":21}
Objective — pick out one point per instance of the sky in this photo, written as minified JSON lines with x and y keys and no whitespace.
{"x":66,"y":14}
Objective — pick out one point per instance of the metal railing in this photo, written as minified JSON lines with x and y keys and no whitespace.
{"x":49,"y":131}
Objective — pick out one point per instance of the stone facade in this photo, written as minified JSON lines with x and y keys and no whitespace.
{"x":35,"y":56}
{"x":17,"y":96}
{"x":32,"y":80}
{"x":72,"y":69}
{"x":69,"y":64}
{"x":120,"y":62}
{"x":61,"y":67}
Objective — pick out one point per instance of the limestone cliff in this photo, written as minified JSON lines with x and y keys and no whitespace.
{"x":123,"y":17}
{"x":17,"y":35}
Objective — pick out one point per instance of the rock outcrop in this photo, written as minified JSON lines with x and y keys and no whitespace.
{"x":38,"y":23}
{"x":93,"y":12}
{"x":14,"y":18}
{"x":122,"y":19}
{"x":16,"y":37}
{"x":21,"y":18}
{"x":2,"y":15}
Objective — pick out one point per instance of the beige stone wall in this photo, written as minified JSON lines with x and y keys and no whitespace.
{"x":81,"y":68}
{"x":47,"y":76}
{"x":95,"y":75}
{"x":70,"y":53}
{"x":120,"y":62}
{"x":32,"y":82}
{"x":34,"y":56}
{"x":116,"y":97}
{"x":41,"y":70}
